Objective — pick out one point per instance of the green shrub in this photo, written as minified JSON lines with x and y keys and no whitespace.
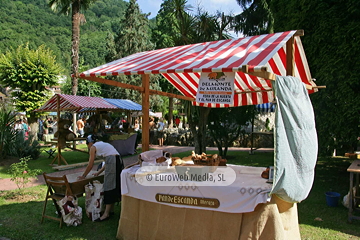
{"x":21,"y":173}
{"x":26,"y":147}
{"x":7,"y":132}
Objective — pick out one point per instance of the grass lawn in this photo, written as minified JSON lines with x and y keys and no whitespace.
{"x":43,"y":161}
{"x":20,"y":214}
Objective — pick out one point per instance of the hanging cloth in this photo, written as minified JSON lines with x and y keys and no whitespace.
{"x":296,"y":145}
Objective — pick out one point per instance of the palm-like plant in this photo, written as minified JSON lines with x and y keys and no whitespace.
{"x":73,"y":6}
{"x":7,"y":132}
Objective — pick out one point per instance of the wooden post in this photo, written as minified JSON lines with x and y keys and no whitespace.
{"x":58,"y":156}
{"x":145,"y":110}
{"x":290,"y":61}
{"x":74,"y":128}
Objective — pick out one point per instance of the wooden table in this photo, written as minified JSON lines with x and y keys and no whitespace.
{"x":354,"y":171}
{"x":78,"y":186}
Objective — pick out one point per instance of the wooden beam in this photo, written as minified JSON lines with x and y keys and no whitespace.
{"x":290,"y":57}
{"x":299,"y":32}
{"x":310,"y":87}
{"x":114,"y":83}
{"x":155,"y":92}
{"x":137,"y":88}
{"x":145,"y":110}
{"x":265,"y":75}
{"x":239,"y":92}
{"x":75,"y":165}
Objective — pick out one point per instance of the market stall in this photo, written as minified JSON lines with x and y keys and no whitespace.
{"x":82,"y":104}
{"x":226,"y":73}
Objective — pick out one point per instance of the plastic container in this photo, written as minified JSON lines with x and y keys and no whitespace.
{"x":332,"y":198}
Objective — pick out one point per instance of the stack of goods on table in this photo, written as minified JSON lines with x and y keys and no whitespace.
{"x":199,"y":160}
{"x":203,"y":163}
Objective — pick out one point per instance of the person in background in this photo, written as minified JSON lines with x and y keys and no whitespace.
{"x":80,"y":126}
{"x":177,"y":121}
{"x":18,"y":126}
{"x":151,"y":129}
{"x":41,"y":129}
{"x":137,"y":125}
{"x":26,"y":128}
{"x":160,"y":129}
{"x":112,"y":167}
{"x":46,"y":126}
{"x":51,"y":130}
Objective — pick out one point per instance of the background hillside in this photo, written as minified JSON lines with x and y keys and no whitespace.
{"x":34,"y":22}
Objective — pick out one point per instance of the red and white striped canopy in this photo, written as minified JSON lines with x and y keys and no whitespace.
{"x":76,"y":103}
{"x":182,"y":65}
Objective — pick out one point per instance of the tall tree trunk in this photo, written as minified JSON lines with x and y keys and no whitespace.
{"x":171,"y":108}
{"x":75,"y":40}
{"x":199,"y":130}
{"x":34,"y":127}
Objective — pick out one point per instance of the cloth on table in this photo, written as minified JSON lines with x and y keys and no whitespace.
{"x":296,"y":144}
{"x":274,"y":220}
{"x":151,"y":156}
{"x":125,"y":144}
{"x":247,"y":191}
{"x":120,"y":136}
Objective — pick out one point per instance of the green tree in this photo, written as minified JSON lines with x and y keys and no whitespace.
{"x":28,"y":72}
{"x":34,"y":22}
{"x":331,"y":45}
{"x":226,"y":124}
{"x":74,"y":6}
{"x":85,"y":87}
{"x":255,"y":19}
{"x":175,"y":25}
{"x":133,"y":37}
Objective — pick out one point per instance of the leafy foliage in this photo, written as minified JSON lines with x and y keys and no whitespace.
{"x":255,"y":19}
{"x":226,"y":124}
{"x":85,"y":87}
{"x":331,"y":45}
{"x":133,"y":37}
{"x":33,"y":22}
{"x":7,"y":132}
{"x":21,"y":173}
{"x":28,"y":72}
{"x":26,"y":147}
{"x":176,"y":25}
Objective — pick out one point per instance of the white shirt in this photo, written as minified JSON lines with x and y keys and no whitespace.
{"x":105,"y":149}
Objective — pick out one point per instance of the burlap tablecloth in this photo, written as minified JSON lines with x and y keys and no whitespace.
{"x":147,"y":220}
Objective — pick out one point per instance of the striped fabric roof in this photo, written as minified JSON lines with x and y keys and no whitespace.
{"x":124,"y":104}
{"x":76,"y":103}
{"x":182,"y":65}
